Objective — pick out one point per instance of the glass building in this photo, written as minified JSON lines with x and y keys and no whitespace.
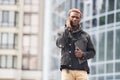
{"x":20,"y":39}
{"x":101,"y":19}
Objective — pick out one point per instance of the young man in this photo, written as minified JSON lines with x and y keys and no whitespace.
{"x":76,"y":48}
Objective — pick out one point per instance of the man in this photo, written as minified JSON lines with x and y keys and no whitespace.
{"x":76,"y":48}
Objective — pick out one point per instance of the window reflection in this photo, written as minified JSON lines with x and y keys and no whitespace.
{"x":102,"y":20}
{"x":8,"y":40}
{"x":117,"y":67}
{"x":6,"y":2}
{"x":109,"y":67}
{"x":31,"y":23}
{"x":8,"y":61}
{"x":94,"y":22}
{"x":8,"y":18}
{"x":101,"y":68}
{"x":110,"y":18}
{"x":101,"y":46}
{"x":118,"y":4}
{"x":118,"y":17}
{"x":118,"y":44}
{"x":111,"y":5}
{"x":110,"y":45}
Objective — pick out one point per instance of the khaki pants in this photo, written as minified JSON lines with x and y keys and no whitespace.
{"x":74,"y":75}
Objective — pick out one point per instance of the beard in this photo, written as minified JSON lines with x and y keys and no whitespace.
{"x":74,"y":27}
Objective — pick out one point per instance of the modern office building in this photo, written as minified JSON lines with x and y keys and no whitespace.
{"x":101,"y":19}
{"x":21,"y":39}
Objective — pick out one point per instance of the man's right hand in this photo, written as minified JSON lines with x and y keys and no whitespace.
{"x":68,"y":25}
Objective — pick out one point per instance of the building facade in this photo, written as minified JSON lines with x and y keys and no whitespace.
{"x":21,"y":39}
{"x":101,"y":19}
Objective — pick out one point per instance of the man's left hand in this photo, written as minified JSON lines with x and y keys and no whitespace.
{"x":78,"y":53}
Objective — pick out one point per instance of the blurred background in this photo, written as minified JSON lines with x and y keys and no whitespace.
{"x":28,"y":32}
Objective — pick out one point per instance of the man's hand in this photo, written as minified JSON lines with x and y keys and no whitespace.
{"x":78,"y":53}
{"x":68,"y":25}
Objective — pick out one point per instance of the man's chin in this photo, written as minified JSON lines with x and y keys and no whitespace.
{"x":75,"y":25}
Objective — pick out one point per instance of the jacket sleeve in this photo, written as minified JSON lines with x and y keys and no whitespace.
{"x":90,"y":53}
{"x":62,"y":40}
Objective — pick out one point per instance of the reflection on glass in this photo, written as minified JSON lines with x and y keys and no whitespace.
{"x":7,"y":61}
{"x":94,"y":22}
{"x":94,"y":7}
{"x":87,"y":24}
{"x":102,"y":20}
{"x":102,"y":5}
{"x":110,"y":18}
{"x":101,"y":68}
{"x":110,"y":77}
{"x":118,"y":44}
{"x":3,"y":61}
{"x":118,"y":4}
{"x":93,"y":70}
{"x":94,"y":41}
{"x":8,"y":40}
{"x":101,"y":78}
{"x":109,"y":67}
{"x":111,"y":5}
{"x":6,"y":2}
{"x":101,"y":46}
{"x":117,"y":77}
{"x":110,"y":45}
{"x":117,"y":67}
{"x":30,"y":23}
{"x":8,"y":18}
{"x":118,"y":17}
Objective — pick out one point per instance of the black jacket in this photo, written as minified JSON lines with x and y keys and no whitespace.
{"x":67,"y":42}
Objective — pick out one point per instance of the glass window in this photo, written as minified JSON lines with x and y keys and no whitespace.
{"x":110,"y":45}
{"x":111,"y":5}
{"x":118,"y":4}
{"x":117,"y":77}
{"x":118,"y":44}
{"x":27,"y":2}
{"x":101,"y":68}
{"x":25,"y":62}
{"x":94,"y":7}
{"x":101,"y":78}
{"x":31,"y":23}
{"x":33,"y":63}
{"x":102,"y":20}
{"x":110,"y":77}
{"x":8,"y":18}
{"x":7,"y":61}
{"x":110,"y":18}
{"x":8,"y":40}
{"x":109,"y":67}
{"x":93,"y":70}
{"x":4,"y":40}
{"x":29,"y":62}
{"x":94,"y":41}
{"x":87,"y":24}
{"x":117,"y":67}
{"x":102,"y":5}
{"x":118,"y":16}
{"x":92,"y":78}
{"x":94,"y":22}
{"x":101,"y":46}
{"x":3,"y":61}
{"x":30,"y":51}
{"x":7,"y":2}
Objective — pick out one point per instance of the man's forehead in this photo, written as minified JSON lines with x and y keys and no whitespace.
{"x":74,"y":14}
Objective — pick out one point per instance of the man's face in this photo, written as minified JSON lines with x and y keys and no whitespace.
{"x":74,"y":18}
